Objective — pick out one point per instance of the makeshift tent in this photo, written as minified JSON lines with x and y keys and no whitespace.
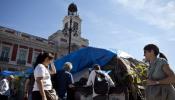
{"x":85,"y":58}
{"x":126,"y":71}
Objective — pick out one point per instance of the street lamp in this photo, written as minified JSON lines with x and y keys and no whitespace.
{"x":67,"y":31}
{"x":72,"y":11}
{"x":70,"y":35}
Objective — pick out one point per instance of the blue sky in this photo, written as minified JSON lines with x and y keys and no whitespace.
{"x":127,"y":25}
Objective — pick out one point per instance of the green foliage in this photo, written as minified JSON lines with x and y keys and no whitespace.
{"x":138,"y":72}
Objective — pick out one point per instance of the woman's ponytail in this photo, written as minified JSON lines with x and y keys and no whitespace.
{"x":161,"y":55}
{"x":38,"y":60}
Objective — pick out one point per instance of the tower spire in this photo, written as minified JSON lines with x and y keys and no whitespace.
{"x":72,"y":9}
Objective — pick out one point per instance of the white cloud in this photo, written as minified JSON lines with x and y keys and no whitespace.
{"x":155,"y":12}
{"x":134,"y":4}
{"x":114,"y":32}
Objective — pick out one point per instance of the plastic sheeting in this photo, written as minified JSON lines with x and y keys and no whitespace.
{"x":85,"y":58}
{"x":29,"y":71}
{"x":7,"y":73}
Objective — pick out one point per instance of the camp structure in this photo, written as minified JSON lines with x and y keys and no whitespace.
{"x":129,"y":74}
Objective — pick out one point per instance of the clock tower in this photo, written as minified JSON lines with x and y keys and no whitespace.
{"x":72,"y":22}
{"x":69,"y":38}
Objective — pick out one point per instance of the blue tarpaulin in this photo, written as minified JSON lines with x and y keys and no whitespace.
{"x":29,"y":70}
{"x":85,"y":58}
{"x":7,"y":73}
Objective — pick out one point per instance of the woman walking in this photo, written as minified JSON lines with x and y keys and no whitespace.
{"x":42,"y":76}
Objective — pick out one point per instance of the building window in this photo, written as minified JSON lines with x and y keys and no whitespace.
{"x":66,"y":26}
{"x":5,"y":54}
{"x":63,"y":40}
{"x":22,"y":57}
{"x":25,"y":36}
{"x":65,"y":30}
{"x":75,"y":34}
{"x":35,"y":55}
{"x":39,"y":39}
{"x":75,"y":27}
{"x":10,"y":31}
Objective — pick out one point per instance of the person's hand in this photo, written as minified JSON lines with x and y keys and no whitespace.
{"x":151,"y":82}
{"x":26,"y":95}
{"x":71,"y":86}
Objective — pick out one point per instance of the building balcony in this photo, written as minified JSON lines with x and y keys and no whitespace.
{"x":21,"y":62}
{"x":4,"y":59}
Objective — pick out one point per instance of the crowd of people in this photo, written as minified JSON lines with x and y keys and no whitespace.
{"x":38,"y":86}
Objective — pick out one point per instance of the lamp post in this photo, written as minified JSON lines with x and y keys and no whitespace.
{"x":72,"y":11}
{"x":70,"y":35}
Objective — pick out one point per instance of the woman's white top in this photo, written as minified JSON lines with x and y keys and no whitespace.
{"x":42,"y":71}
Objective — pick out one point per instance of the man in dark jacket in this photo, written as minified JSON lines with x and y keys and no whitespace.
{"x":65,"y":81}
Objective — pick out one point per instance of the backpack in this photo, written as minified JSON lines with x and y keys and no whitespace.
{"x":101,"y":85}
{"x":3,"y":91}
